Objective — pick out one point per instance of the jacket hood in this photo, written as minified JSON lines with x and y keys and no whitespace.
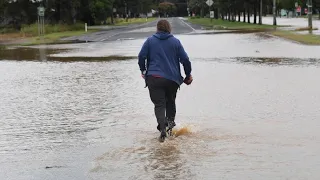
{"x":163,"y":35}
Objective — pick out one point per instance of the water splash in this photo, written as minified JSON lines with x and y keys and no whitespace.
{"x":184,"y":130}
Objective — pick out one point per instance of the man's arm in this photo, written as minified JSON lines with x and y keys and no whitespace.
{"x":143,"y":56}
{"x":184,"y":60}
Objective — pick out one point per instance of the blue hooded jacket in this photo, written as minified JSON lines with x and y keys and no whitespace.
{"x":164,"y":53}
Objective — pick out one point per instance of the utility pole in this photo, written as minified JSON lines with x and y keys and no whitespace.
{"x":260,"y":17}
{"x":274,"y":13}
{"x":310,"y":14}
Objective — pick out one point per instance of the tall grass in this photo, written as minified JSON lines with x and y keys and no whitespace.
{"x":6,"y":30}
{"x":49,"y":28}
{"x":310,"y":39}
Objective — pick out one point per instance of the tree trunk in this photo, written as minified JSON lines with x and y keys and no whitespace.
{"x":57,"y":14}
{"x":112,"y":18}
{"x":74,"y":15}
{"x":229,"y":15}
{"x":202,"y":11}
{"x":255,"y":12}
{"x":260,"y":13}
{"x":248,"y":15}
{"x":216,"y":14}
{"x":244,"y":15}
{"x":239,"y":15}
{"x":232,"y":15}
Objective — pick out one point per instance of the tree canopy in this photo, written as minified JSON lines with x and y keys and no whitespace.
{"x":71,"y":11}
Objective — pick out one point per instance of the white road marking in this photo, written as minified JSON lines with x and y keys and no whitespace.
{"x":187,"y":25}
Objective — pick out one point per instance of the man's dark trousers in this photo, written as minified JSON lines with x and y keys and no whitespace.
{"x":163,"y":95}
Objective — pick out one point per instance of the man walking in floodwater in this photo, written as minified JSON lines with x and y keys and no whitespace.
{"x":162,"y":74}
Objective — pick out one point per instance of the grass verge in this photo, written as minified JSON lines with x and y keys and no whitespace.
{"x":309,"y":39}
{"x":54,"y":38}
{"x":32,"y":30}
{"x":123,"y":22}
{"x":28,"y":35}
{"x":305,"y":29}
{"x":3,"y":47}
{"x":229,"y":25}
{"x":28,"y":40}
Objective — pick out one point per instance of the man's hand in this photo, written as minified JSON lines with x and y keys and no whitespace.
{"x":188,"y":80}
{"x":143,"y":73}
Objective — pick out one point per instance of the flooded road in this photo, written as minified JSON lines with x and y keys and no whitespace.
{"x":251,"y":113}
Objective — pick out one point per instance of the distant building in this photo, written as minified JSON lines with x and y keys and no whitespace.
{"x":149,"y":14}
{"x":283,"y":12}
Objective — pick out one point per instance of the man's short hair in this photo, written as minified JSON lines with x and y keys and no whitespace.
{"x":164,"y":26}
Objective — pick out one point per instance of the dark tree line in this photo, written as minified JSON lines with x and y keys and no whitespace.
{"x":72,"y":11}
{"x":90,"y":11}
{"x":19,"y":12}
{"x":233,"y":9}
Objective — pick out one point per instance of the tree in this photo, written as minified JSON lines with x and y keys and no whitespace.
{"x":100,"y":9}
{"x":197,"y":6}
{"x":20,"y":12}
{"x":167,"y":8}
{"x":3,"y":4}
{"x":288,"y":5}
{"x":144,"y":6}
{"x":316,"y":5}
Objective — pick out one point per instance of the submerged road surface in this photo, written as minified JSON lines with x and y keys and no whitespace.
{"x":179,"y":26}
{"x":251,"y":113}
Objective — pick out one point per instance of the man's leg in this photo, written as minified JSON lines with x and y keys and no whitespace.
{"x":171,"y":92}
{"x":157,"y":96}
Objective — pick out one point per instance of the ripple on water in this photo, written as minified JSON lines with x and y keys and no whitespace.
{"x":262,"y":116}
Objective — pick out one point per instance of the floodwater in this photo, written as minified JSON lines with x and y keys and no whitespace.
{"x":251,"y":113}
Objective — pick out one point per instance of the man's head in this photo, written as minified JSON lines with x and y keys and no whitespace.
{"x":163,"y":26}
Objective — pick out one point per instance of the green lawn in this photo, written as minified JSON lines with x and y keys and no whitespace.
{"x":28,"y":35}
{"x":225,"y":24}
{"x":309,"y":39}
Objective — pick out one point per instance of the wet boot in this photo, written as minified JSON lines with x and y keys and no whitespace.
{"x":158,"y":127}
{"x":170,"y":125}
{"x":163,"y":135}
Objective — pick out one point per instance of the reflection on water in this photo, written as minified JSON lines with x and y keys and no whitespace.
{"x":44,"y":54}
{"x":20,"y":54}
{"x":35,"y":54}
